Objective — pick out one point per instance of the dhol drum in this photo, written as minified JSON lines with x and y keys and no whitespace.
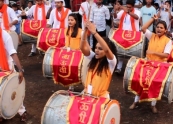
{"x":12,"y":94}
{"x":15,"y":39}
{"x":65,"y":67}
{"x":49,"y":37}
{"x":31,"y":28}
{"x":28,"y":39}
{"x":61,"y":108}
{"x":128,"y":43}
{"x":168,"y":88}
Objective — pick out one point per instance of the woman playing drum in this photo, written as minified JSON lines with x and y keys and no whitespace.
{"x":102,"y":63}
{"x":158,"y":50}
{"x":73,"y":32}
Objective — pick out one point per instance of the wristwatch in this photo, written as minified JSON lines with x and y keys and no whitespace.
{"x":21,"y":70}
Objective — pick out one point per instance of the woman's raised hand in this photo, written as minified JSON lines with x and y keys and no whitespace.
{"x":90,"y":26}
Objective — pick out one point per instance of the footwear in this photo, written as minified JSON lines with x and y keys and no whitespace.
{"x":23,"y":117}
{"x":118,"y":71}
{"x":71,"y":88}
{"x":32,"y":54}
{"x":1,"y":119}
{"x":132,"y":106}
{"x":154,"y":109}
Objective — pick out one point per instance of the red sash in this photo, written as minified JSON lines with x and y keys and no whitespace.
{"x":3,"y":58}
{"x":170,"y":58}
{"x":62,"y":18}
{"x":132,"y":20}
{"x":126,"y":39}
{"x":50,"y":37}
{"x":148,"y":79}
{"x":32,"y":27}
{"x":67,"y":66}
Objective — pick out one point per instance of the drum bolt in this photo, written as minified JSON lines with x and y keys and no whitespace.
{"x":13,"y":96}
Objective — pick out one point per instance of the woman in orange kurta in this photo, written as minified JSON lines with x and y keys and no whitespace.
{"x":102,"y":63}
{"x":159,"y":49}
{"x":73,"y":33}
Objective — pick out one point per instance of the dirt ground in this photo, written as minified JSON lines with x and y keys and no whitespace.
{"x":39,"y":89}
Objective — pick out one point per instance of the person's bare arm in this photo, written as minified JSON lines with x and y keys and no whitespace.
{"x":92,"y":28}
{"x":17,"y":62}
{"x":161,"y":55}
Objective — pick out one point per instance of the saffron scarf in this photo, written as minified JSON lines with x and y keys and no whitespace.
{"x":3,"y":57}
{"x":3,"y":10}
{"x":62,"y":18}
{"x":132,"y":20}
{"x":43,"y":12}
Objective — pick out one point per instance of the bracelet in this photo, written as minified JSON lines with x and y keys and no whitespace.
{"x":95,"y":33}
{"x":21,"y":70}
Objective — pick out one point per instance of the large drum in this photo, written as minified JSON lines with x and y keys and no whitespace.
{"x":49,"y":37}
{"x":168,"y":88}
{"x":12,"y":94}
{"x":15,"y":38}
{"x":65,"y":67}
{"x":128,"y":43}
{"x":31,"y":28}
{"x":60,"y":107}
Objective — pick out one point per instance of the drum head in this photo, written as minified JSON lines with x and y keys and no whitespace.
{"x":111,"y":114}
{"x":84,"y":69}
{"x":15,"y":39}
{"x":12,"y":95}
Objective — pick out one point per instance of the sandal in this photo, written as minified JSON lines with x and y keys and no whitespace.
{"x":23,"y":117}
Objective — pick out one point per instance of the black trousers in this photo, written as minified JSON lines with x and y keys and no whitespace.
{"x":102,"y":34}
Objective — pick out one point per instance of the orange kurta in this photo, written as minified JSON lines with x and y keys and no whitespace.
{"x":158,"y":45}
{"x":100,"y":84}
{"x":73,"y":42}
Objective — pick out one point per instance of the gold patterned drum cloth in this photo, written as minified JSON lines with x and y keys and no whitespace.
{"x":128,"y":43}
{"x":149,"y":79}
{"x":64,"y":66}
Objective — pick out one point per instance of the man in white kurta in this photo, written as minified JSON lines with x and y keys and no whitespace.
{"x":31,"y":12}
{"x":12,"y":57}
{"x":59,"y":5}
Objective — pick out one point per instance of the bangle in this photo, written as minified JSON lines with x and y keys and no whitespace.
{"x":95,"y":33}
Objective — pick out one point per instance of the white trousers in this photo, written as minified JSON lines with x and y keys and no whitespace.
{"x":120,"y":64}
{"x":33,"y":48}
{"x":153,"y":103}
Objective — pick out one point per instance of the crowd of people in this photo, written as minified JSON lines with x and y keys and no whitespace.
{"x":153,"y":19}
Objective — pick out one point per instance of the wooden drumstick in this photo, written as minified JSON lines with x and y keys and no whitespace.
{"x":90,"y":3}
{"x":21,"y":9}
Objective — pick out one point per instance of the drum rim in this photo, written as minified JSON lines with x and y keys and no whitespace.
{"x":49,"y":100}
{"x":107,"y":108}
{"x":2,"y":91}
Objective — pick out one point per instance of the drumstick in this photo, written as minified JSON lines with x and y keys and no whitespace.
{"x":90,"y":3}
{"x":21,"y":9}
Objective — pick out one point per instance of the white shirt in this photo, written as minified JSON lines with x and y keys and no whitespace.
{"x":127,"y":21}
{"x":11,"y":17}
{"x":18,"y":12}
{"x":9,"y":47}
{"x":165,"y":17}
{"x":86,"y":7}
{"x":168,"y":46}
{"x":31,"y":11}
{"x":6,"y":1}
{"x":98,"y":16}
{"x":112,"y":63}
{"x":53,"y":20}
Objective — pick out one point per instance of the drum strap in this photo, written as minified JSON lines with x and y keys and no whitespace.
{"x":3,"y":58}
{"x":3,"y":10}
{"x":132,"y":20}
{"x":43,"y":12}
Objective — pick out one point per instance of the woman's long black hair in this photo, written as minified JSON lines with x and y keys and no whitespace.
{"x":76,"y":26}
{"x":103,"y":62}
